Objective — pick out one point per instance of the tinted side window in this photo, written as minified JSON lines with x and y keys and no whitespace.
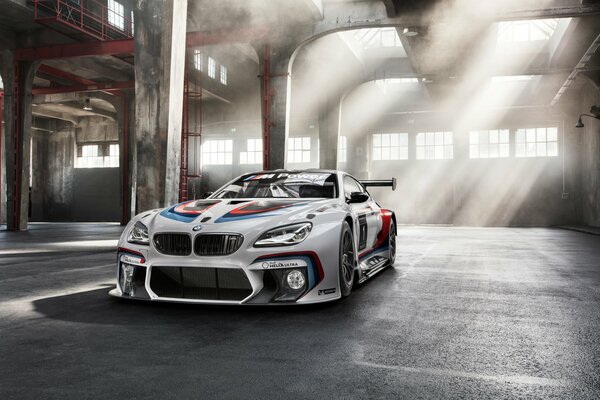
{"x":350,"y":185}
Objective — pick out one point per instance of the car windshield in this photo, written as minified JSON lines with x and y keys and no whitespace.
{"x":281,"y":185}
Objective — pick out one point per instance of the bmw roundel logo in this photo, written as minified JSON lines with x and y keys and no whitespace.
{"x":197,"y":228}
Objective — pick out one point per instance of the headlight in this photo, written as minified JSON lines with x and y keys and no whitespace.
{"x":138,"y":234}
{"x":285,"y":235}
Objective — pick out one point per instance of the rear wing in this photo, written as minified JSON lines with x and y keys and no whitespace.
{"x":382,"y":182}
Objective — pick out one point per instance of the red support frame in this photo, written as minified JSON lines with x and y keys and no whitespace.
{"x":113,"y":47}
{"x":83,"y":17}
{"x":127,"y":46}
{"x":126,"y":198}
{"x":183,"y":165}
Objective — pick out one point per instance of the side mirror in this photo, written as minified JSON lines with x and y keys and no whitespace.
{"x":358,"y":197}
{"x":205,"y":195}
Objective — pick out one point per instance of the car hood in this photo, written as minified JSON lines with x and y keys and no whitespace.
{"x":234,"y":215}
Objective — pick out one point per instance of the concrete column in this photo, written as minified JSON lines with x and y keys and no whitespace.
{"x":22,"y":108}
{"x":280,"y":86}
{"x":159,"y":75}
{"x":329,"y":117}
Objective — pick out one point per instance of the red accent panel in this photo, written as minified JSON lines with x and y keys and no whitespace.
{"x":312,"y":254}
{"x":386,"y":216}
{"x":241,"y":211}
{"x":133,"y":252}
{"x":180,"y":209}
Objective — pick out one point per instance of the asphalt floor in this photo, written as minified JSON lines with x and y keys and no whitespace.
{"x":465,"y":313}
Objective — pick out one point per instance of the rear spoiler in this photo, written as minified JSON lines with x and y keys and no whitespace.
{"x":382,"y":182}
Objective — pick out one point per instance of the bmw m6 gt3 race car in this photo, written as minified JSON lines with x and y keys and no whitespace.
{"x":273,"y":237}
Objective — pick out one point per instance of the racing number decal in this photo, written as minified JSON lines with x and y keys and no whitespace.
{"x":362,"y":231}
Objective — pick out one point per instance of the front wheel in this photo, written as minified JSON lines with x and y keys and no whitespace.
{"x":347,"y":260}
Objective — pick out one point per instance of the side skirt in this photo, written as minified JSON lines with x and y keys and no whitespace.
{"x":372,"y":266}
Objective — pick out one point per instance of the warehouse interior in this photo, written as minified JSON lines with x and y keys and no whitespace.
{"x":486,"y":113}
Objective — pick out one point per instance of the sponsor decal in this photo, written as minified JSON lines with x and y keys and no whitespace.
{"x":326,"y":291}
{"x":281,"y":264}
{"x":197,"y":228}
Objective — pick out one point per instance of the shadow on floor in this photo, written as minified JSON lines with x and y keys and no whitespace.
{"x":97,"y":307}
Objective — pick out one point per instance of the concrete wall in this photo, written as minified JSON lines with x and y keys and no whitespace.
{"x":463,"y":191}
{"x":589,"y":155}
{"x":59,"y":191}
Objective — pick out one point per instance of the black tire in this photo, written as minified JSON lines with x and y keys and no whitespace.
{"x":347,"y":260}
{"x":392,"y":243}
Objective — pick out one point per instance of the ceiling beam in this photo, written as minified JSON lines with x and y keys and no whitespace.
{"x":84,"y":88}
{"x":59,"y":73}
{"x":71,"y":96}
{"x":221,"y":36}
{"x":54,"y":115}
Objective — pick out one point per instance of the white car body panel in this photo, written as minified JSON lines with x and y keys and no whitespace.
{"x":321,"y":246}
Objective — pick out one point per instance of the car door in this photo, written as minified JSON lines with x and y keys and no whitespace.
{"x":367,"y":214}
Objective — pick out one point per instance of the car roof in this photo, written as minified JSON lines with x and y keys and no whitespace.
{"x":296,"y":171}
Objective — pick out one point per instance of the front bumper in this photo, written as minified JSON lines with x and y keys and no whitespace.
{"x":222,"y":280}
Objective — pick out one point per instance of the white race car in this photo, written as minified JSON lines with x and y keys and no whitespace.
{"x":272,"y":237}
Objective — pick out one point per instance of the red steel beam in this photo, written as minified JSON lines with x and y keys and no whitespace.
{"x":59,"y":73}
{"x":126,"y":46}
{"x":111,"y":47}
{"x":84,"y":88}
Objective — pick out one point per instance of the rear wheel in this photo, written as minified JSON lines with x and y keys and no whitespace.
{"x":347,"y":260}
{"x":392,"y":243}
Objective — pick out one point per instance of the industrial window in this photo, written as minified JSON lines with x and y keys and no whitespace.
{"x":223,"y":75}
{"x":217,"y":152}
{"x":489,"y":144}
{"x":377,"y":37}
{"x":253,"y":153}
{"x":342,"y":148}
{"x":198,"y":60}
{"x":526,"y":31}
{"x":390,"y":146}
{"x":116,"y":14}
{"x":434,"y":146}
{"x":298,"y":150}
{"x":212,"y":67}
{"x":104,"y":155}
{"x":536,"y":142}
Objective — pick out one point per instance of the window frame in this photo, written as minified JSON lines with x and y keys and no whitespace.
{"x":522,"y":146}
